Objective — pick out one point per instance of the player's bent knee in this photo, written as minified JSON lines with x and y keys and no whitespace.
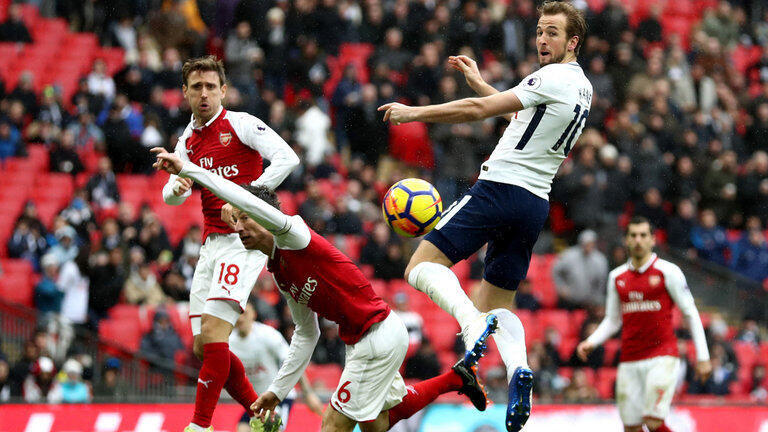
{"x":426,"y":252}
{"x":334,"y":421}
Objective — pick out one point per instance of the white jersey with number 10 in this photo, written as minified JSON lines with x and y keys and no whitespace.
{"x":556,"y":101}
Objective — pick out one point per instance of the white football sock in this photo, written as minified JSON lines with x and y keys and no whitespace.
{"x":510,"y":340}
{"x":442,"y":286}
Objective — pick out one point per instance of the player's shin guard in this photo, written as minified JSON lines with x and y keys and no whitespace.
{"x":422,"y":394}
{"x":210,"y":381}
{"x":238,"y":386}
{"x":442,"y":286}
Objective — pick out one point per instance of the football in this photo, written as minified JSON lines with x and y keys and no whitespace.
{"x":412,"y":207}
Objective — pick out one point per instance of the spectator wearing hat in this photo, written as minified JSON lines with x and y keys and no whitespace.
{"x":580,"y":274}
{"x":111,"y":387}
{"x":39,"y":382}
{"x":142,"y":287}
{"x":66,"y":249}
{"x":69,"y":387}
{"x":162,"y":341}
{"x":48,"y":295}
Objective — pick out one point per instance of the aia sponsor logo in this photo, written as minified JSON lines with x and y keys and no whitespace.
{"x":225,"y":138}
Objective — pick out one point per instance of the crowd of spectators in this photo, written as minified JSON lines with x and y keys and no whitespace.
{"x":677,"y":133}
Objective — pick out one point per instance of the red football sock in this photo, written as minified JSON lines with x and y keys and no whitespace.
{"x":210,"y":381}
{"x":663,"y":428}
{"x":423,"y":394}
{"x":238,"y":386}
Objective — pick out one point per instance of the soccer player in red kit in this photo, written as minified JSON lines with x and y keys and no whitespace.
{"x":318,"y":280}
{"x":641,"y":295}
{"x":231,"y":145}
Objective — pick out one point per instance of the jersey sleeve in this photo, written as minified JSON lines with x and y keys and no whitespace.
{"x":681,"y":294}
{"x":304,"y":339}
{"x":295,"y":236}
{"x":612,"y":321}
{"x":181,"y":151}
{"x":257,"y":135}
{"x":267,"y":216}
{"x":540,"y":87}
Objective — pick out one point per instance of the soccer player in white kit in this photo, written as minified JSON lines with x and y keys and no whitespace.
{"x":508,"y":206}
{"x":262,"y":349}
{"x":229,"y":144}
{"x":641,"y":295}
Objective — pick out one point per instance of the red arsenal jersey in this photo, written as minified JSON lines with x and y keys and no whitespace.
{"x":216,"y":147}
{"x":327,"y":282}
{"x":646,"y":310}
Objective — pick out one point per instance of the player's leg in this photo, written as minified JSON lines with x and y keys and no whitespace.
{"x":630,"y":387}
{"x":334,"y":421}
{"x":465,"y":227}
{"x":462,"y":378}
{"x":214,"y":373}
{"x":370,"y":382}
{"x":660,"y":383}
{"x":231,"y":277}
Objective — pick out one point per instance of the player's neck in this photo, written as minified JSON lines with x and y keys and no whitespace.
{"x":638,"y":263}
{"x":569,"y":58}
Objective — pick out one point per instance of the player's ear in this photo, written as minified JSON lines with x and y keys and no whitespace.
{"x":573,"y":43}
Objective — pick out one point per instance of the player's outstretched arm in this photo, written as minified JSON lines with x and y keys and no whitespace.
{"x":304,"y":339}
{"x":468,"y":67}
{"x":264,"y":214}
{"x":458,"y":111}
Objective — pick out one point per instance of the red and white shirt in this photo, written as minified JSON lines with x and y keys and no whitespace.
{"x":232,"y":145}
{"x":641,"y":299}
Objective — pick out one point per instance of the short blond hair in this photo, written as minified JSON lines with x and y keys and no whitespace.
{"x":575,"y":25}
{"x":203,"y":64}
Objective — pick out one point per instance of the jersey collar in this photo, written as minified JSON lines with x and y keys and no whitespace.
{"x":213,"y":119}
{"x":645,"y":266}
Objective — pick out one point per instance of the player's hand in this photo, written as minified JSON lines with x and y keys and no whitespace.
{"x":181,"y":186}
{"x":227,"y":215}
{"x":313,"y":403}
{"x":703,"y":370}
{"x":265,"y":405}
{"x":167,"y":162}
{"x":397,"y":113}
{"x":468,"y":67}
{"x":583,"y":350}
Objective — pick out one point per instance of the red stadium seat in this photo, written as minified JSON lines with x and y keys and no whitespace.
{"x":441,"y":329}
{"x":325,"y":376}
{"x":567,"y":347}
{"x":746,"y":354}
{"x":17,"y":288}
{"x":410,"y":143}
{"x":606,"y":382}
{"x":288,"y":203}
{"x":125,"y":333}
{"x":559,"y":319}
{"x":17,"y":267}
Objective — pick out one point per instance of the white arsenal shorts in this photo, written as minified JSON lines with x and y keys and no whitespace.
{"x":226,"y":271}
{"x":645,"y":388}
{"x":371,"y":381}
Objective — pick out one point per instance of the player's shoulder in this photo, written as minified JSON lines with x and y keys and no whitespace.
{"x":241,"y":117}
{"x":618,"y":271}
{"x":667,"y":268}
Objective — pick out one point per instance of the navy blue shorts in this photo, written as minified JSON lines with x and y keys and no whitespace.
{"x":507,"y":217}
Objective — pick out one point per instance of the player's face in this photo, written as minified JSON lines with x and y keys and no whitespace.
{"x":552,"y":41}
{"x":639,"y":240}
{"x":252,"y":235}
{"x":204,"y":94}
